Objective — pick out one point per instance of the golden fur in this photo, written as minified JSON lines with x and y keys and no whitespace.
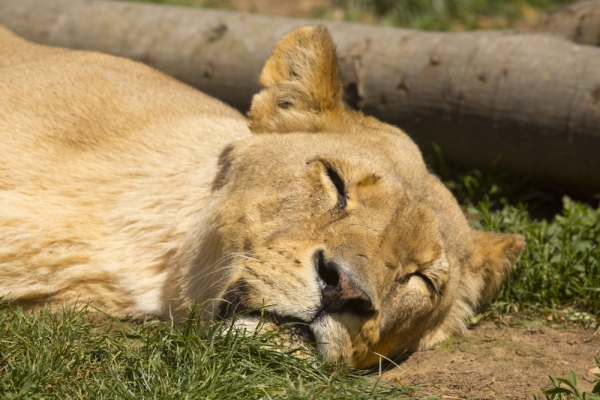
{"x":122,"y":186}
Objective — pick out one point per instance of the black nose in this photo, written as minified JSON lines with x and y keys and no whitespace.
{"x":338,"y":290}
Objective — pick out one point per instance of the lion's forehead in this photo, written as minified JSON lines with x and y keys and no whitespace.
{"x":385,"y":150}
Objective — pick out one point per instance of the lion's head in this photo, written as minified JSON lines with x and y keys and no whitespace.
{"x":330,"y":218}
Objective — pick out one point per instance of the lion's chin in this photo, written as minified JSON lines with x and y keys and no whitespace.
{"x":333,"y":341}
{"x":327,"y":334}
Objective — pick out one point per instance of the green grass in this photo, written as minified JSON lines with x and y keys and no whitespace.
{"x":66,"y":356}
{"x":440,"y":15}
{"x":559,"y":273}
{"x":568,"y":388}
{"x":560,"y":269}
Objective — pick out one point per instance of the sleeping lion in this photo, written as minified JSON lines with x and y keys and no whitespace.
{"x":121,"y":186}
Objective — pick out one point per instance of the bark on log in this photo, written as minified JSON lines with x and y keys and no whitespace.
{"x":579,"y":22}
{"x":533,"y":99}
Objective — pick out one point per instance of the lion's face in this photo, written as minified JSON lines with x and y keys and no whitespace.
{"x":350,"y":236}
{"x":331,"y":219}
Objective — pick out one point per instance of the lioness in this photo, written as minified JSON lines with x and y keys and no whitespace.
{"x":123,"y":186}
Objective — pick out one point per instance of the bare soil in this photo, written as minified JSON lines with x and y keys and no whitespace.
{"x":498,"y":361}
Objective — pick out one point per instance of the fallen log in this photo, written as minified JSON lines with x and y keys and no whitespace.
{"x":531,"y":102}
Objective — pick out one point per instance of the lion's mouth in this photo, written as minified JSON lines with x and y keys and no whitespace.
{"x":299,"y":330}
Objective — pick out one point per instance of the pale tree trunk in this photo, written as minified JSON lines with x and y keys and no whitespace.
{"x":529,"y":101}
{"x":579,"y":22}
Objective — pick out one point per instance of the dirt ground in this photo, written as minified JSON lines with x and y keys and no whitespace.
{"x":495,"y":361}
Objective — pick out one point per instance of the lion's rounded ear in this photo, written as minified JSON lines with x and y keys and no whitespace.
{"x":302,"y":81}
{"x":495,"y":255}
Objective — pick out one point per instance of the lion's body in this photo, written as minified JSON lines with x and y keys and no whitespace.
{"x":105,"y":164}
{"x":122,"y":186}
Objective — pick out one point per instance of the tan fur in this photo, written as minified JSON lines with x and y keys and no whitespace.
{"x":122,"y":186}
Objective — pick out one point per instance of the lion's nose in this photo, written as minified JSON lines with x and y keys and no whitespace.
{"x":338,"y":290}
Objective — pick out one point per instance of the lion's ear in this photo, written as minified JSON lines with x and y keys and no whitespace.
{"x":302,"y":82}
{"x":494,"y":257}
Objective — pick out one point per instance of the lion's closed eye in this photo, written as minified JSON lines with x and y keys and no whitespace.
{"x":340,"y":186}
{"x":404,"y":279}
{"x":432,"y":285}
